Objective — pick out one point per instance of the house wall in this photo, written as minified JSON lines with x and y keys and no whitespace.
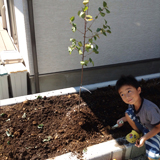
{"x":134,"y":24}
{"x":132,"y":47}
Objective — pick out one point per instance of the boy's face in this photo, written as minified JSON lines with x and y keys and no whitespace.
{"x":129,"y":94}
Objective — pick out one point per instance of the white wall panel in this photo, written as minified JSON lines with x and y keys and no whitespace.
{"x":23,"y":31}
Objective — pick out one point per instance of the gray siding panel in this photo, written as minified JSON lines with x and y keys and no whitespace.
{"x":135,"y":27}
{"x":106,"y":73}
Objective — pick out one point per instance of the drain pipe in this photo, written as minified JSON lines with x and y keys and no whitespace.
{"x":33,"y":41}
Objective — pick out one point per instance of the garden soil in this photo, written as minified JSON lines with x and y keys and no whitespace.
{"x":51,"y":126}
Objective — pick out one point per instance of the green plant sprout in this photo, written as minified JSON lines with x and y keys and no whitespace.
{"x":88,"y":46}
{"x":48,"y":139}
{"x":84,"y":150}
{"x":39,"y":97}
{"x":2,"y":114}
{"x":24,"y":115}
{"x":40,"y":126}
{"x":9,"y":133}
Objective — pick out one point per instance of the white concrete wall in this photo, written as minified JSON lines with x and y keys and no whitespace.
{"x":6,"y":25}
{"x":1,"y":4}
{"x":23,"y":31}
{"x":135,"y":27}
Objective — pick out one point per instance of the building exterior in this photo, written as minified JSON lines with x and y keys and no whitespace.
{"x":41,"y":32}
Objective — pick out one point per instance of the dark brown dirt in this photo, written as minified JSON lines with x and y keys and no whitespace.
{"x":64,"y":129}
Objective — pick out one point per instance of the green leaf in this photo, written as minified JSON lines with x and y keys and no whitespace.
{"x":108,"y":31}
{"x":90,"y":60}
{"x":92,"y":63}
{"x":95,"y":50}
{"x":72,"y":40}
{"x":80,"y":44}
{"x":74,"y":25}
{"x":88,"y":18}
{"x":95,"y":38}
{"x":82,"y":15}
{"x":72,"y":19}
{"x":87,"y":49}
{"x":100,"y":9}
{"x":96,"y":17}
{"x":91,"y":40}
{"x":104,"y":33}
{"x":104,"y":26}
{"x":82,"y":63}
{"x":109,"y":27}
{"x":85,"y":8}
{"x":79,"y":13}
{"x":105,"y":21}
{"x":88,"y":45}
{"x":80,"y":52}
{"x":104,"y":4}
{"x":69,"y":49}
{"x":86,"y":62}
{"x":102,"y":14}
{"x":78,"y":48}
{"x":98,"y":30}
{"x":96,"y":47}
{"x":85,"y":2}
{"x":73,"y":29}
{"x":107,"y":11}
{"x":73,"y":43}
{"x":89,"y":29}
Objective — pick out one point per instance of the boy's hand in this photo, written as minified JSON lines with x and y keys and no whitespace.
{"x":140,"y":142}
{"x":120,"y":122}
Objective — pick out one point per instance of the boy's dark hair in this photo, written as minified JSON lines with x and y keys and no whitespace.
{"x":127,"y":80}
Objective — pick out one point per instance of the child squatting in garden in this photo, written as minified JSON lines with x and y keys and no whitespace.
{"x":142,"y":115}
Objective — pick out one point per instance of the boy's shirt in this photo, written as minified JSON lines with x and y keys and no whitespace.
{"x":148,"y":114}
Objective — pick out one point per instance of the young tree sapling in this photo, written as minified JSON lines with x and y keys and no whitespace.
{"x":88,"y":46}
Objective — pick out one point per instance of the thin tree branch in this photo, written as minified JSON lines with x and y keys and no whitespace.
{"x":88,"y":54}
{"x":94,"y":20}
{"x":79,"y":31}
{"x":85,"y":26}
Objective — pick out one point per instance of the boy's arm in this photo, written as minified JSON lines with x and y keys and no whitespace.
{"x":150,"y":134}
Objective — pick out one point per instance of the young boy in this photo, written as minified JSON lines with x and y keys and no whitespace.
{"x":142,"y":115}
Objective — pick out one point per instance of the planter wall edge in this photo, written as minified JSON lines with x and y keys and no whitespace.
{"x":12,"y":101}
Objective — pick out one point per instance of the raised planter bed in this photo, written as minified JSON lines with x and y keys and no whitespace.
{"x":50,"y":126}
